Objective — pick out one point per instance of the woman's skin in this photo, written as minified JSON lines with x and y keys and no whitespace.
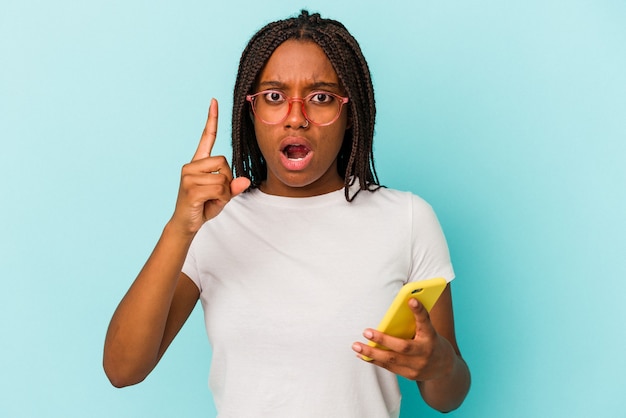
{"x":161,"y":298}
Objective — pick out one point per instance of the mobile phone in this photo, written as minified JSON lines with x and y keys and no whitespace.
{"x":399,"y":320}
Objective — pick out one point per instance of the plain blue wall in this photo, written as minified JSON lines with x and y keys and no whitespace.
{"x":509,"y":118}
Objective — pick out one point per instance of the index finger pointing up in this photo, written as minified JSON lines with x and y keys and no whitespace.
{"x":208,"y":135}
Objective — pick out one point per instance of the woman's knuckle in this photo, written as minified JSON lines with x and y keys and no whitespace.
{"x":186,"y":168}
{"x":413,"y":375}
{"x":404,"y":347}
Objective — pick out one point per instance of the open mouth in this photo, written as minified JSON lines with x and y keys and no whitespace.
{"x":296,"y":152}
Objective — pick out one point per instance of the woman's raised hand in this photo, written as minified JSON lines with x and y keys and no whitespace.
{"x":206,"y":183}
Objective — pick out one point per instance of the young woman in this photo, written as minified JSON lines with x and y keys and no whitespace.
{"x":298,"y":254}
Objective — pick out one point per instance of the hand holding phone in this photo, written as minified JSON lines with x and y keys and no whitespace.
{"x":399,"y":320}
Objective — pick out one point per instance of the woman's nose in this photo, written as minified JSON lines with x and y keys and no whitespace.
{"x":296,"y":116}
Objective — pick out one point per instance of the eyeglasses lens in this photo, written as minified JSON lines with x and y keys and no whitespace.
{"x":319,"y":108}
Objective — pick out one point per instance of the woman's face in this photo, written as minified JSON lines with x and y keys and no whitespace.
{"x":301,"y":160}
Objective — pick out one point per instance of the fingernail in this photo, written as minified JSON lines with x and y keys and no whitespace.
{"x":368,"y":334}
{"x":413,"y":303}
{"x":356,"y":347}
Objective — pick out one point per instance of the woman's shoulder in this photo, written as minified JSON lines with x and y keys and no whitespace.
{"x":395,"y":197}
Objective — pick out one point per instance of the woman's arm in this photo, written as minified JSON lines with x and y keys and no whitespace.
{"x":447,"y":392}
{"x":151,"y":313}
{"x":161,"y":298}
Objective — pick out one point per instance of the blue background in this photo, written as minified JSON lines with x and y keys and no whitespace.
{"x":508,"y":117}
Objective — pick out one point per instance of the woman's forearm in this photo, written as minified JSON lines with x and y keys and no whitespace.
{"x":135,"y":334}
{"x":448,"y":392}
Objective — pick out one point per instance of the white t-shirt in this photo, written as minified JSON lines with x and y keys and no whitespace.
{"x":288,"y":284}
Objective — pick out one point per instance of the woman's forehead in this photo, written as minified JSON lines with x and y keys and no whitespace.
{"x":298,"y":61}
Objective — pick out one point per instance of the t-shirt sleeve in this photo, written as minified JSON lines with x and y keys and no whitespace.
{"x":430,"y":254}
{"x":190,"y":266}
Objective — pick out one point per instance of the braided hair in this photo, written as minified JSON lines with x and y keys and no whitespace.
{"x":356,"y":159}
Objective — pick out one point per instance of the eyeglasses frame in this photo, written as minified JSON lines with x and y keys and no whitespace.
{"x":342,"y":101}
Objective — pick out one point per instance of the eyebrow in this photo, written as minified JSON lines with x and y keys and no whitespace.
{"x":312,"y":86}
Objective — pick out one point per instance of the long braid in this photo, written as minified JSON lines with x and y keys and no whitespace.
{"x":356,"y":159}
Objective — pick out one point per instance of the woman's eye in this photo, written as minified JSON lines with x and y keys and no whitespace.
{"x":274,"y":97}
{"x":321,"y":98}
